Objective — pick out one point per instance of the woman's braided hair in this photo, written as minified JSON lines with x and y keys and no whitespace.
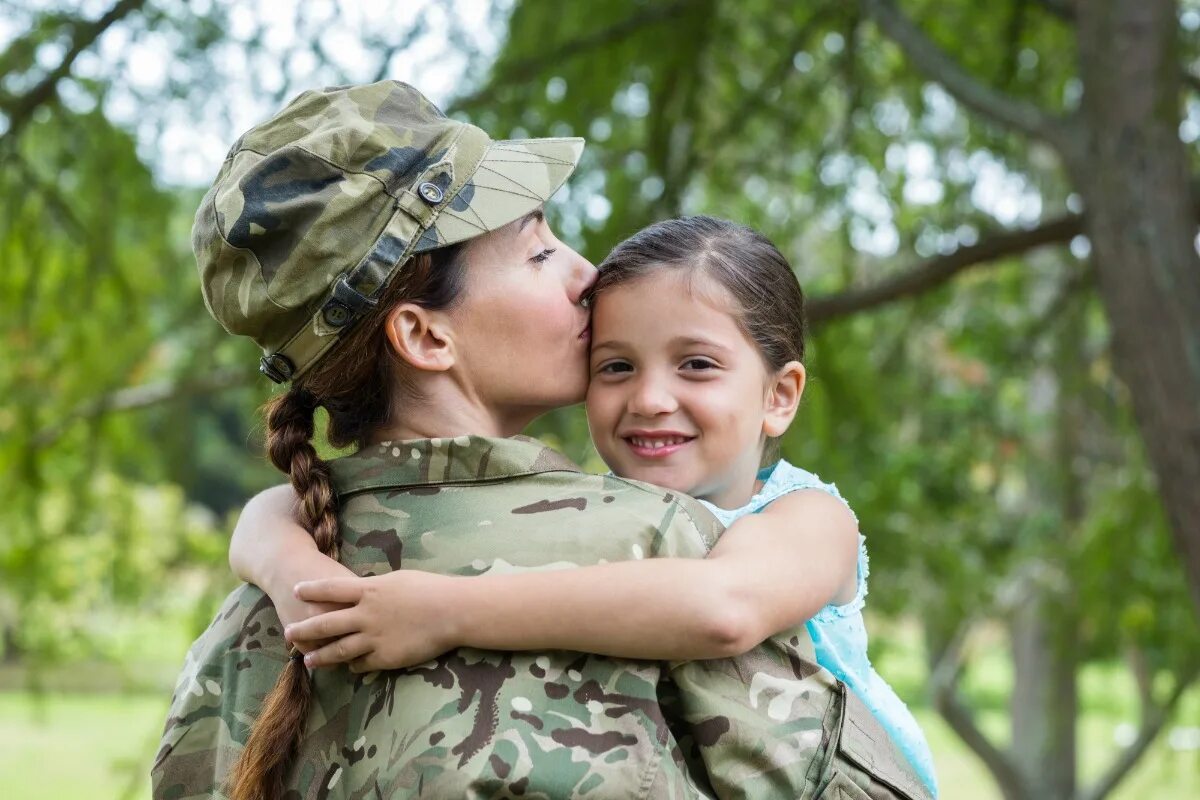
{"x":355,"y":383}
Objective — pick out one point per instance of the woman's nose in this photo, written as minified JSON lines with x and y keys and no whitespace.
{"x":583,"y":275}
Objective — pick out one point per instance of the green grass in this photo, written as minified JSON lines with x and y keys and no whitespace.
{"x":99,"y":744}
{"x":78,"y":745}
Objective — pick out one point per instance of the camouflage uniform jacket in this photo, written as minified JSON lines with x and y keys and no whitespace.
{"x":473,"y":723}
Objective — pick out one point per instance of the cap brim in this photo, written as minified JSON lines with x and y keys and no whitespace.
{"x":514,"y":177}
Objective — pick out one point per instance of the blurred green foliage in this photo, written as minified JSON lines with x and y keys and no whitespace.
{"x":977,"y":427}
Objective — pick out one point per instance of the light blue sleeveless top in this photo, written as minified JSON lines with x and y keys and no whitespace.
{"x":838,"y":632}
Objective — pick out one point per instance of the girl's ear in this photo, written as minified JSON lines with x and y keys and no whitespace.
{"x":421,"y":337}
{"x":783,"y":398}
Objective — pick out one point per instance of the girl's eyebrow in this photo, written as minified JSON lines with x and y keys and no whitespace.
{"x":609,"y":344}
{"x":693,"y":341}
{"x":679,"y":341}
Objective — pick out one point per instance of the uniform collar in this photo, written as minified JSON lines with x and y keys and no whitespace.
{"x":463,"y":459}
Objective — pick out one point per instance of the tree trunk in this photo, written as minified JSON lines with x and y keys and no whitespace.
{"x":1045,"y":628}
{"x":1131,"y":169}
{"x":1044,"y":699}
{"x":10,"y":648}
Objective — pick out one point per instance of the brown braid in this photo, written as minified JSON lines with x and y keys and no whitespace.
{"x":356,"y":383}
{"x":289,"y":446}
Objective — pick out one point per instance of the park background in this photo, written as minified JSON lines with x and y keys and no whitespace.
{"x":993,"y":210}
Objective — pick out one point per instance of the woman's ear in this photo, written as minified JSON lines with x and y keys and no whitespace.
{"x":783,"y":398}
{"x":420,"y":337}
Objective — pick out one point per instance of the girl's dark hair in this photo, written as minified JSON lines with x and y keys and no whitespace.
{"x":768,"y":298}
{"x":355,"y":383}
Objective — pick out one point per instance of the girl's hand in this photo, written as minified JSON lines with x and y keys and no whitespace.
{"x":307,"y":565}
{"x":395,"y":620}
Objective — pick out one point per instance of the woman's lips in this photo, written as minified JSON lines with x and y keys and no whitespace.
{"x":656,"y":445}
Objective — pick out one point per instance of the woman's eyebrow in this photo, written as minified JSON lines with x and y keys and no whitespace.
{"x":536,"y":215}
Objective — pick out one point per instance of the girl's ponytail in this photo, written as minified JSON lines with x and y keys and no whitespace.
{"x":263,"y":766}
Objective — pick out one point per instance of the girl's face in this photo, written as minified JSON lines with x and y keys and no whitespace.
{"x":522,"y":334}
{"x":679,"y":396}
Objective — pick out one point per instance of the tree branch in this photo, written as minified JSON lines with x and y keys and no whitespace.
{"x":1064,"y":12}
{"x":943,"y":681}
{"x":935,"y":271}
{"x":1016,"y":29}
{"x":20,"y":109}
{"x":1142,"y":678}
{"x":936,"y":65}
{"x":524,"y":70}
{"x":419,"y":28}
{"x":774,"y":79}
{"x":1191,"y":80}
{"x":1154,"y":719}
{"x":149,"y":394}
{"x":1058,"y":8}
{"x":53,"y":198}
{"x":1070,"y":288}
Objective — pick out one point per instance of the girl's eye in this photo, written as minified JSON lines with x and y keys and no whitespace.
{"x":541,"y":257}
{"x":699,"y":363}
{"x":614,"y":367}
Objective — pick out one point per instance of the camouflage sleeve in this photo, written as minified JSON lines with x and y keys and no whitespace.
{"x":757,"y":721}
{"x":688,"y":530}
{"x":754,"y":721}
{"x":772,"y":723}
{"x":227,"y":672}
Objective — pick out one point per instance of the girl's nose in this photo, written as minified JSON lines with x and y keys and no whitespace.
{"x":651,"y":398}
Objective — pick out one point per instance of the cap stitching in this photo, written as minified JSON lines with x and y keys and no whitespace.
{"x":531,"y":193}
{"x":482,"y":225}
{"x":459,"y":217}
{"x":531,"y":196}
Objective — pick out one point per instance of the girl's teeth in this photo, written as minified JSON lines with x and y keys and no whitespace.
{"x":656,"y":444}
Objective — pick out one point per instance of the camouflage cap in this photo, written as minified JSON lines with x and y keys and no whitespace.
{"x":315,"y":210}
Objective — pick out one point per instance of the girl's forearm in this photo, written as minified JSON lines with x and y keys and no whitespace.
{"x":672,"y":609}
{"x":264,"y":534}
{"x":769,"y":572}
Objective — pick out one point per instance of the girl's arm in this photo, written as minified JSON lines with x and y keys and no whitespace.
{"x":768,"y":572}
{"x":272,"y":551}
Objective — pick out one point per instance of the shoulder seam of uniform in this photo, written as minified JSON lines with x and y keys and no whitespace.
{"x":384,"y":485}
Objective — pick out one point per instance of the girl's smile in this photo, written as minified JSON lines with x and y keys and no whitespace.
{"x":655,"y":444}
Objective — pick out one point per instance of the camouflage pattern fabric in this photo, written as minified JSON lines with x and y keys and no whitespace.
{"x":351,"y":181}
{"x":473,"y":723}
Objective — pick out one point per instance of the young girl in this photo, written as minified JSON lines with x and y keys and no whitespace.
{"x":697,"y":369}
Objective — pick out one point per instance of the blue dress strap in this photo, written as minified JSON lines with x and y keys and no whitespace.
{"x":785,"y":478}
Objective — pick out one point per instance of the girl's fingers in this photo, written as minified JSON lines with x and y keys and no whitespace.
{"x":323,"y":626}
{"x":330,"y":590}
{"x":344,"y":649}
